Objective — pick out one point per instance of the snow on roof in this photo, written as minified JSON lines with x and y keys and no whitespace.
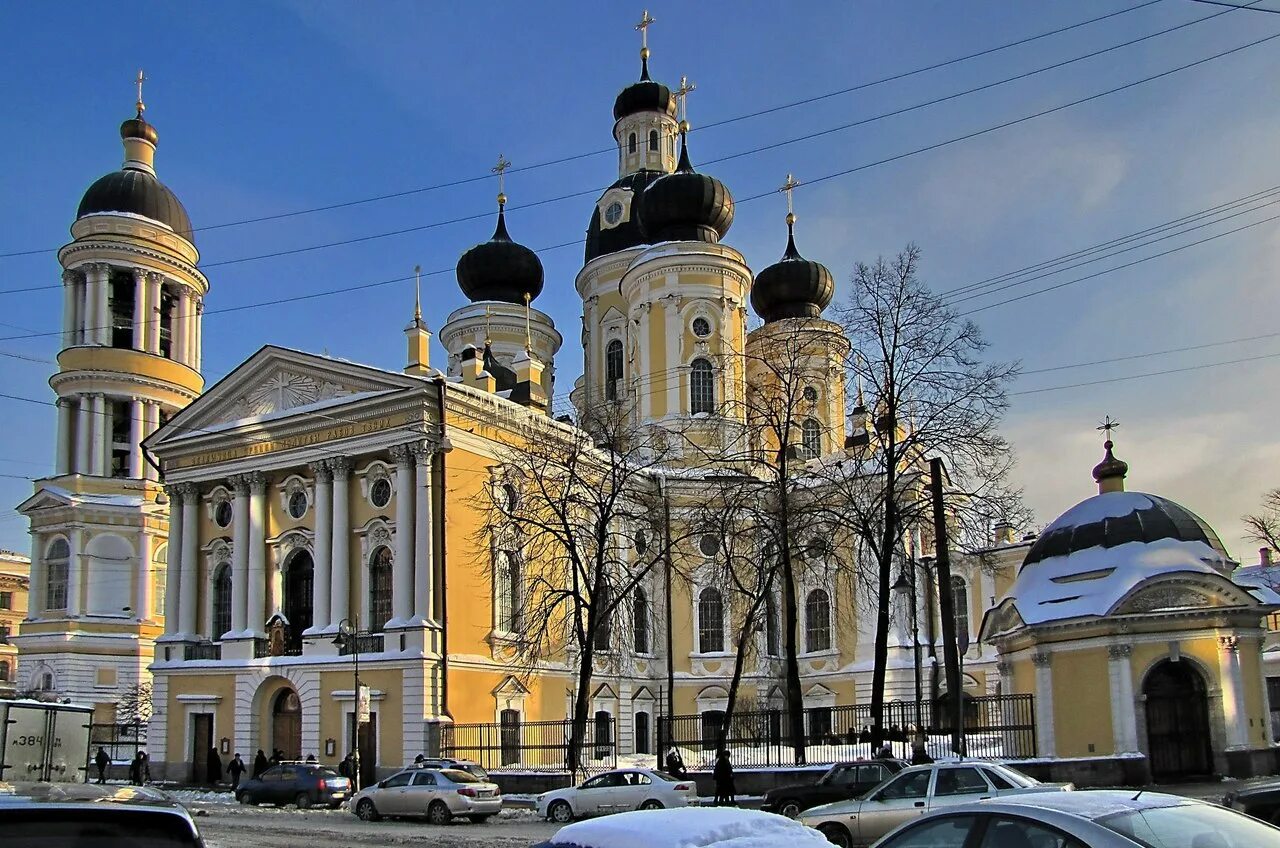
{"x":1090,"y":582}
{"x":699,"y":827}
{"x":95,"y":499}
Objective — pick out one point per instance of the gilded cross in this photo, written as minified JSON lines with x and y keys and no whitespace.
{"x":417,"y":293}
{"x":1108,"y":425}
{"x":787,"y":188}
{"x":500,"y":169}
{"x":528,"y":330}
{"x":140,"y":80}
{"x":643,"y":26}
{"x":682,"y":94}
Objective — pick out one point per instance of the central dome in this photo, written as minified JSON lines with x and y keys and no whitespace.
{"x":686,"y":205}
{"x":135,"y":191}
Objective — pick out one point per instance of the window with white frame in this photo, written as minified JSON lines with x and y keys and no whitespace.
{"x":960,"y":598}
{"x":812,"y":433}
{"x":220,"y":616}
{"x":57,"y":561}
{"x":380,"y":589}
{"x":640,"y":621}
{"x":160,"y":572}
{"x":653,"y":140}
{"x":612,"y":369}
{"x":702,"y":387}
{"x":817,"y":621}
{"x":506,"y":576}
{"x":710,"y":621}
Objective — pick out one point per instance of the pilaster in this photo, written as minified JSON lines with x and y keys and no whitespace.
{"x":1044,"y":704}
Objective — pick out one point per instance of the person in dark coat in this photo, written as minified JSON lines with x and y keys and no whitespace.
{"x":102,"y":760}
{"x":675,"y":764}
{"x":723,"y":774}
{"x":235,"y":768}
{"x":215,"y":767}
{"x":260,"y":764}
{"x":277,"y":757}
{"x":135,"y":768}
{"x":146,"y":767}
{"x":347,"y":768}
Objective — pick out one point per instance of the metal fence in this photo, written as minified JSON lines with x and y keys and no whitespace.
{"x":995,"y":727}
{"x":513,"y":745}
{"x":121,"y":741}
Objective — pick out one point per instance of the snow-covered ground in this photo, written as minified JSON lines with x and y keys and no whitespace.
{"x":690,"y":828}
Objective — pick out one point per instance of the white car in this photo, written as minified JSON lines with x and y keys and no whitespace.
{"x":616,"y":792}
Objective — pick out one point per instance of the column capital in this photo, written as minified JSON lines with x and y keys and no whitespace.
{"x":1003,"y":667}
{"x":71,"y":276}
{"x":152,"y":276}
{"x":140,"y":274}
{"x":96,"y":268}
{"x":257,"y":482}
{"x":239,"y":483}
{"x":402,"y":454}
{"x":64,"y":403}
{"x":189,"y":492}
{"x":1229,"y":644}
{"x":1040,"y":659}
{"x":321,"y":471}
{"x":1119,"y":652}
{"x":199,"y":305}
{"x":340,"y":466}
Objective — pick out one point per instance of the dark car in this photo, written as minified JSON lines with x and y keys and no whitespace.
{"x":1260,"y":800}
{"x":303,"y":784}
{"x":842,"y":782}
{"x":80,"y":815}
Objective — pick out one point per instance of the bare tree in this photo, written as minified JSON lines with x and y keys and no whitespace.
{"x":566,"y":504}
{"x":1264,"y":526}
{"x":928,"y":393}
{"x":134,"y":706}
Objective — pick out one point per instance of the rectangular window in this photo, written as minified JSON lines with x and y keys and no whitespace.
{"x":167,"y":303}
{"x":6,"y":600}
{"x":819,"y":724}
{"x":121,"y":430}
{"x":56,"y":595}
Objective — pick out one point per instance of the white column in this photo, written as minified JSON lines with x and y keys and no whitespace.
{"x":189,"y":603}
{"x":139,"y":309}
{"x":424,"y":553}
{"x":402,"y":594}
{"x":1124,"y":728}
{"x":101,"y":430}
{"x":1267,"y":730}
{"x":151,"y":411}
{"x":75,"y":571}
{"x":99,"y":316}
{"x":137,"y":432}
{"x":321,"y":587}
{"x":240,"y":555}
{"x":173,"y":582}
{"x":64,"y":437}
{"x":145,"y":596}
{"x":70,"y":290}
{"x":197,"y":331}
{"x":36,"y":583}
{"x":256,"y":616}
{"x":341,"y":548}
{"x":1046,"y":742}
{"x":93,"y":275}
{"x":675,"y":370}
{"x":153,"y":311}
{"x":84,"y":435}
{"x":1233,"y":707}
{"x":178,"y":325}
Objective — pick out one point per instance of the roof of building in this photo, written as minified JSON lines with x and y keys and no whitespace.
{"x":644,"y":96}
{"x":136,"y":192}
{"x":686,"y":205}
{"x":500,"y":269}
{"x":793,"y":287}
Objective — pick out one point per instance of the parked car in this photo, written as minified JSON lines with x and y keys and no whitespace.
{"x":80,"y":815}
{"x":841,"y":782}
{"x":912,"y":793}
{"x":719,"y":827}
{"x":434,"y":794}
{"x":303,"y":784}
{"x":617,"y":791}
{"x":1260,"y":800}
{"x":449,"y":763}
{"x":1092,"y":819}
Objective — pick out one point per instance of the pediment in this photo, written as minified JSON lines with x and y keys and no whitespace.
{"x":1182,"y":594}
{"x":510,"y":686}
{"x":276,"y":382}
{"x":1001,"y":619}
{"x":45,"y":499}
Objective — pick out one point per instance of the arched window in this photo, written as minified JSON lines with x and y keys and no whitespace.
{"x":604,"y":634}
{"x":299,"y":585}
{"x":960,"y":597}
{"x":653,"y":141}
{"x":812,"y":438}
{"x":631,"y":143}
{"x":506,"y":577}
{"x":710,"y":621}
{"x":56,"y":559}
{"x":220,"y":618}
{"x":379,"y":589}
{"x":612,"y":369}
{"x":817,"y":620}
{"x":642,"y":734}
{"x":702,"y":387}
{"x":640,"y":621}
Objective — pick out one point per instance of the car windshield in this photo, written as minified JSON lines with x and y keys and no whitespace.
{"x":668,"y":778}
{"x":327,"y":772}
{"x":472,"y":768}
{"x":1191,"y":826}
{"x":460,"y":776}
{"x":1014,"y":776}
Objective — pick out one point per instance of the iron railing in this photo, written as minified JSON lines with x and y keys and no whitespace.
{"x":531,"y":746}
{"x":262,"y":648}
{"x":995,"y":727}
{"x":202,"y":651}
{"x":121,"y":741}
{"x":368,"y":643}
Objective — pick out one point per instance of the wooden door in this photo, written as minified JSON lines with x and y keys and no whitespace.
{"x":201,"y":742}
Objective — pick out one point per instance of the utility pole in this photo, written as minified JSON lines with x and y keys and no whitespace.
{"x":946,"y":605}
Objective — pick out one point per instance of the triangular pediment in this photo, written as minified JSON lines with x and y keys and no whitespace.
{"x":510,"y":686}
{"x":45,"y":498}
{"x":277,"y":382}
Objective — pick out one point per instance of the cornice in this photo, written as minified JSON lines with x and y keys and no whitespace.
{"x":67,"y":255}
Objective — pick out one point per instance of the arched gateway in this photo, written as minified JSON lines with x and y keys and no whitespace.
{"x":286,"y":724}
{"x":1177,"y":707}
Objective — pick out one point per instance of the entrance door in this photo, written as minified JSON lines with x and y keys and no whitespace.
{"x":201,"y":742}
{"x":367,"y":740}
{"x":1177,"y":708}
{"x":286,"y":724}
{"x":298,"y":583}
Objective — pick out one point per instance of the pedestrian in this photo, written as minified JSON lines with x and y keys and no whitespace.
{"x":146,"y":767}
{"x":347,"y":768}
{"x":277,"y":756}
{"x":675,"y":764}
{"x":235,"y":768}
{"x":885,"y":753}
{"x":102,"y":760}
{"x":135,"y":768}
{"x":260,"y":764}
{"x":215,"y":767}
{"x":311,"y":758}
{"x":419,"y":760}
{"x":723,"y":774}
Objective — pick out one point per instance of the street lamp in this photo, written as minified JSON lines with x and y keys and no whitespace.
{"x":349,"y":635}
{"x":907,"y":585}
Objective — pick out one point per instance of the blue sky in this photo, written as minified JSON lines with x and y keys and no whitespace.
{"x":270,"y":107}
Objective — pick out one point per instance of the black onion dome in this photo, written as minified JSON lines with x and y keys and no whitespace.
{"x":644,"y":96}
{"x":629,"y":233}
{"x":137,"y":193}
{"x":1117,"y":518}
{"x":794,"y":287}
{"x":500,"y":269}
{"x":686,"y":205}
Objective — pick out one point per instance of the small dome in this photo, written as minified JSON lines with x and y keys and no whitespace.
{"x":629,"y":233}
{"x":500,"y":269}
{"x":686,"y":205}
{"x":794,"y":287}
{"x":1110,"y":467}
{"x":644,"y":96}
{"x":136,"y":192}
{"x":139,"y":128}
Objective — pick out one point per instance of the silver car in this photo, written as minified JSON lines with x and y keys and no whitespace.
{"x":1091,"y":819}
{"x":912,"y":793}
{"x":616,"y":792}
{"x":435,"y":794}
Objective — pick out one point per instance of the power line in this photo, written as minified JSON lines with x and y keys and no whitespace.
{"x":1249,"y":6}
{"x":1149,"y":354}
{"x":1148,"y":374}
{"x":723,"y":122}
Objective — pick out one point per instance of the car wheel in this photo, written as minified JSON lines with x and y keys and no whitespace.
{"x":651,"y":804}
{"x":247,"y":798}
{"x":479,"y":819}
{"x":303,"y":801}
{"x":560,"y":812}
{"x":837,"y":834}
{"x":438,"y":813}
{"x":789,"y":808}
{"x":365,"y":811}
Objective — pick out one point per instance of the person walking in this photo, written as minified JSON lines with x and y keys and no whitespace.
{"x":135,"y":768}
{"x":235,"y":768}
{"x":723,"y":774}
{"x":102,"y":760}
{"x":260,"y":764}
{"x":215,"y":767}
{"x":347,"y":768}
{"x":146,"y":766}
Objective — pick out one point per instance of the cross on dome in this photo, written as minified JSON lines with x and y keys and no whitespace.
{"x":682,"y":95}
{"x":645,"y":22}
{"x":787,"y":188}
{"x":142,"y":77}
{"x":500,"y":169}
